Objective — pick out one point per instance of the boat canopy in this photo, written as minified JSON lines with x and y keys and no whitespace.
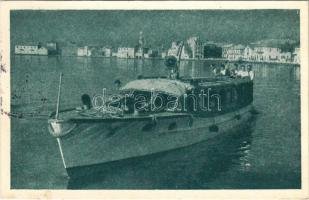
{"x":166,"y":86}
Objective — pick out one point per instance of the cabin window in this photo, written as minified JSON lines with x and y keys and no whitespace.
{"x":240,"y":95}
{"x":190,"y":123}
{"x":244,"y":93}
{"x":172,"y":126}
{"x":234,"y":95}
{"x":148,"y":127}
{"x":228,"y":96}
{"x":223,"y":98}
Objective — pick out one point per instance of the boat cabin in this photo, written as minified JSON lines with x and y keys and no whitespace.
{"x":198,"y":96}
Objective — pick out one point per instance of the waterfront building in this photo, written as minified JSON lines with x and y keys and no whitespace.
{"x":175,"y":51}
{"x":83,"y":51}
{"x":249,"y":53}
{"x":225,"y":50}
{"x":139,"y":54}
{"x":31,"y":49}
{"x":265,"y":54}
{"x":94,"y":51}
{"x":257,"y":53}
{"x":196,"y":47}
{"x":69,"y":51}
{"x":153,"y":53}
{"x":68,"y":48}
{"x":296,"y":55}
{"x":52,"y":48}
{"x":126,"y":52}
{"x":107,"y":51}
{"x":184,"y":54}
{"x":233,"y":52}
{"x":285,"y":57}
{"x":42,"y":51}
{"x":212,"y":50}
{"x":163,"y":54}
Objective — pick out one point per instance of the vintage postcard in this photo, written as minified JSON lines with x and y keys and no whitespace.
{"x":154,"y":100}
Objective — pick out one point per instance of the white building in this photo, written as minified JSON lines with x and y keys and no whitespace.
{"x":83,"y":51}
{"x":266,"y":54}
{"x":163,"y":54}
{"x":249,"y":53}
{"x":42,"y":51}
{"x":52,"y":48}
{"x":175,"y":51}
{"x":272,"y":53}
{"x":30,"y":50}
{"x":225,"y":50}
{"x":125,"y":52}
{"x":146,"y":55}
{"x":285,"y":57}
{"x":258,"y":53}
{"x":233,"y":52}
{"x":296,"y":55}
{"x":196,"y":47}
{"x":107,"y":52}
{"x":184,"y":54}
{"x":139,"y":54}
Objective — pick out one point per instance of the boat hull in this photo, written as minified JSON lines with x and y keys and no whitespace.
{"x":91,"y":143}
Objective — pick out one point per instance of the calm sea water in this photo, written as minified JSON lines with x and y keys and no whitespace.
{"x":266,"y":155}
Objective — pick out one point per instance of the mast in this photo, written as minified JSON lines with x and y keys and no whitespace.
{"x":59,"y":93}
{"x":179,"y":58}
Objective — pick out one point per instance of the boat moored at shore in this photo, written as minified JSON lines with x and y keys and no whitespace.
{"x":199,"y":109}
{"x":150,"y":115}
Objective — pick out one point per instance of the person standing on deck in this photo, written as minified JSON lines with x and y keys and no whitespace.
{"x":117,"y":84}
{"x":250,"y":72}
{"x":215,"y":70}
{"x":243,"y":72}
{"x":234,"y":71}
{"x":225,"y":70}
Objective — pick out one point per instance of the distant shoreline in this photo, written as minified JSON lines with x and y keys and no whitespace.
{"x":159,"y":58}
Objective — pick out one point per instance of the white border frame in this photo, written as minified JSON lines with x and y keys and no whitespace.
{"x":5,"y":190}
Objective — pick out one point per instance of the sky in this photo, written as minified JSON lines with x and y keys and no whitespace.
{"x":121,"y":28}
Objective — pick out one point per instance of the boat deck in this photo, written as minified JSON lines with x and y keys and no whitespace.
{"x":93,"y":114}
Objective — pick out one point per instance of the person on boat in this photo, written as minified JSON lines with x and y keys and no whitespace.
{"x":236,"y":68}
{"x":225,"y":71}
{"x":117,"y":84}
{"x":250,"y":72}
{"x":216,"y":70}
{"x":213,"y":68}
{"x":243,"y":72}
{"x":173,"y":74}
{"x":86,"y":102}
{"x":234,"y":71}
